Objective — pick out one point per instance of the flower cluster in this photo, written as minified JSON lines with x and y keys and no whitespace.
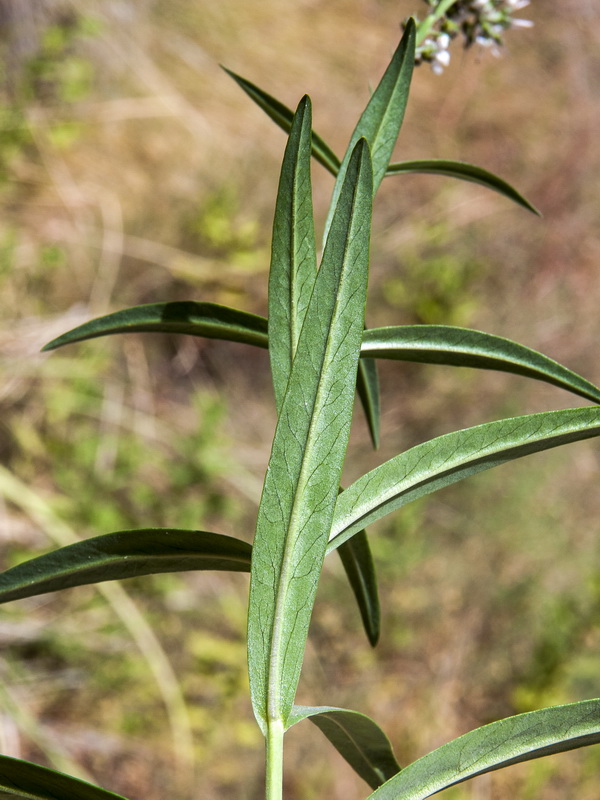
{"x":480,"y":22}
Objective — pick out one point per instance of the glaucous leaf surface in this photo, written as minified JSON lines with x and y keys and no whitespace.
{"x":22,"y":780}
{"x":461,"y":347}
{"x":127,"y":554}
{"x":292,"y":276}
{"x":494,"y":746}
{"x":462,"y":171}
{"x":447,"y":459}
{"x":310,"y":441}
{"x":356,"y":737}
{"x":198,"y":319}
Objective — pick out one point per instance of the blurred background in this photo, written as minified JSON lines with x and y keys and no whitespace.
{"x":134,"y":170}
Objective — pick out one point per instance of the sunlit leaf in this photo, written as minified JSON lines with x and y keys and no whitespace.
{"x":382,"y":119}
{"x":304,"y":469}
{"x":283,"y":116}
{"x":127,"y":554}
{"x":500,"y":744}
{"x":292,"y":276}
{"x":293,"y":268}
{"x":198,"y":319}
{"x":356,"y":737}
{"x":465,"y":172}
{"x":21,"y":780}
{"x":442,"y":461}
{"x":461,"y":347}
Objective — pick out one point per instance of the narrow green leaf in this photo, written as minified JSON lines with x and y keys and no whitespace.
{"x":283,"y":116}
{"x":310,"y":440}
{"x":460,"y":347}
{"x":127,"y":554}
{"x":382,"y":119}
{"x":292,"y":276}
{"x":356,"y":737}
{"x":494,"y":746}
{"x":367,"y":386}
{"x":23,"y":780}
{"x":198,"y":319}
{"x":357,"y":560}
{"x":293,"y":268}
{"x":465,"y":172}
{"x":447,"y":459}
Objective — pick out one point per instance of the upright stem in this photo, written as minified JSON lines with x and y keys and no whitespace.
{"x":274,"y":776}
{"x":427,"y":24}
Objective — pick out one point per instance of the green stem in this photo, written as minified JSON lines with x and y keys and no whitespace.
{"x":274,"y":777}
{"x":427,"y":24}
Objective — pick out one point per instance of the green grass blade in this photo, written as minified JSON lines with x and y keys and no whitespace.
{"x":357,"y":738}
{"x":127,"y":554}
{"x":22,"y":780}
{"x":293,"y":253}
{"x":357,"y":560}
{"x":382,"y":119}
{"x":465,"y":172}
{"x":447,"y":459}
{"x":461,"y":347}
{"x":494,"y":746}
{"x":198,"y":319}
{"x":304,"y":470}
{"x":283,"y":116}
{"x":367,"y":386}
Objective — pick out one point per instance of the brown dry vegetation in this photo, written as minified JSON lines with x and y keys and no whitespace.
{"x":134,"y":170}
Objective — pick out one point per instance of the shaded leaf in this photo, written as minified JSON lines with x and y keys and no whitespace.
{"x":283,"y":116}
{"x":494,"y":746}
{"x":367,"y":386}
{"x":304,"y":469}
{"x":447,"y":459}
{"x":357,"y":560}
{"x":460,"y":347}
{"x":127,"y":554}
{"x":198,"y":319}
{"x":23,"y":780}
{"x":465,"y":172}
{"x":356,"y":737}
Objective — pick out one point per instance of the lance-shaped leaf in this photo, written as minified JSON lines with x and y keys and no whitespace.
{"x":304,"y":469}
{"x":465,"y":172}
{"x":293,"y":269}
{"x":356,"y":737}
{"x":461,"y":347}
{"x":494,"y":746}
{"x":292,"y":276}
{"x":22,"y":780}
{"x":126,"y":554}
{"x":198,"y":319}
{"x":447,"y":459}
{"x":367,"y":386}
{"x":283,"y":117}
{"x":382,"y":119}
{"x":357,"y":560}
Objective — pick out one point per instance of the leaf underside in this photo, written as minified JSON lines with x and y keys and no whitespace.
{"x":452,"y":457}
{"x":495,"y":746}
{"x":308,"y":450}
